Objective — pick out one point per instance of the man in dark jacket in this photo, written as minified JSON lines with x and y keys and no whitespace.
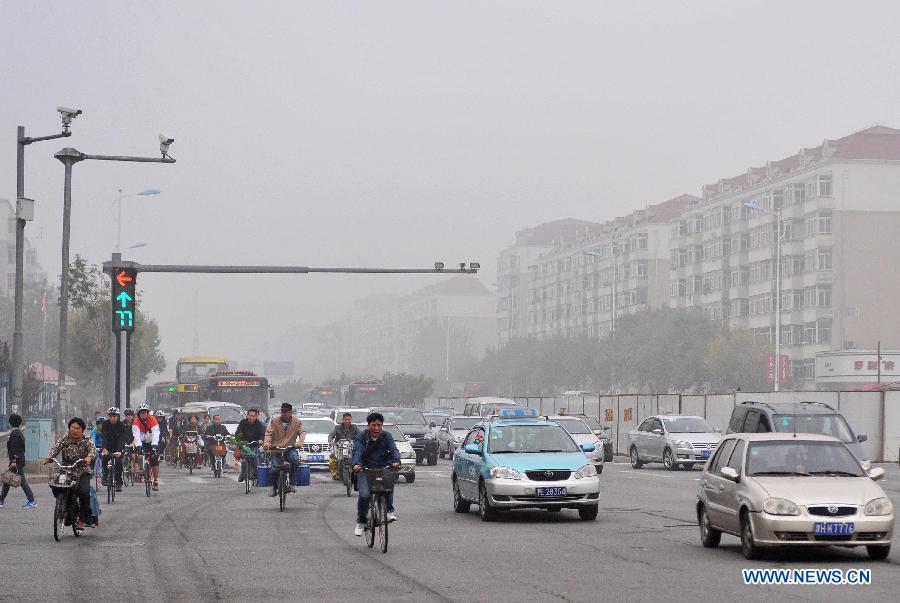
{"x":215,"y":428}
{"x":250,"y":430}
{"x":115,"y":435}
{"x":374,"y":449}
{"x":15,"y":448}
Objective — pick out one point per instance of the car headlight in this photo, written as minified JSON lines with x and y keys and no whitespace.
{"x":780,"y":506}
{"x":879,"y":506}
{"x":866,"y":465}
{"x":683,"y":444}
{"x":505,"y":473}
{"x":586,"y":471}
{"x":408,"y":455}
{"x":410,"y":440}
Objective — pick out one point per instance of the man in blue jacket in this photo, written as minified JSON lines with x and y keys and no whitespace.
{"x":374,"y":449}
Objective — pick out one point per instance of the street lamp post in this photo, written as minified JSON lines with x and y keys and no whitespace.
{"x":23,"y":216}
{"x":149,"y":191}
{"x":69,"y":157}
{"x":781,"y":232}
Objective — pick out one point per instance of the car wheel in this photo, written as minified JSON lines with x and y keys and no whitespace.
{"x":748,"y":542}
{"x":433,"y":459}
{"x":589,"y":512}
{"x":878,"y":552}
{"x":410,"y":478}
{"x":599,"y":469}
{"x":459,"y":505}
{"x":487,"y":512}
{"x":635,"y":459}
{"x":669,"y":460}
{"x":709,"y":536}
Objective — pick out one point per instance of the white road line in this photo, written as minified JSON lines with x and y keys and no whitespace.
{"x":644,"y":474}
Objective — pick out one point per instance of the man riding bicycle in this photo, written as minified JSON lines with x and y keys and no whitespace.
{"x":345,"y":431}
{"x":374,"y":448}
{"x":250,"y":430}
{"x":216,"y":428}
{"x":146,"y":434}
{"x":285,"y":430}
{"x":163,"y":429}
{"x":177,"y":426}
{"x":115,"y":435}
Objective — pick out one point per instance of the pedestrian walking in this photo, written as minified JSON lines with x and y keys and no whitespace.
{"x":15,"y":449}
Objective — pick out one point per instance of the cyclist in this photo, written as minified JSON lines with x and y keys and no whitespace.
{"x":115,"y":435}
{"x":345,"y":431}
{"x":214,"y":429}
{"x":77,"y":445}
{"x":375,"y":449}
{"x":146,"y":433}
{"x":163,"y":429}
{"x":249,"y":430}
{"x":177,"y":426}
{"x":285,"y":430}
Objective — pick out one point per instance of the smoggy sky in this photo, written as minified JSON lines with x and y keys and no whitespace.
{"x":400,"y":133}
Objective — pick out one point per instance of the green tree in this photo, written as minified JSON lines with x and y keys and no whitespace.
{"x":734,"y":360}
{"x":406,"y":389}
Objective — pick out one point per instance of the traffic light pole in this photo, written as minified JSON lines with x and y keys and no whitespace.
{"x":125,"y":274}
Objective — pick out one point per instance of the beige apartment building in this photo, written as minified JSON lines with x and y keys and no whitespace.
{"x":839,"y":204}
{"x":8,"y":252}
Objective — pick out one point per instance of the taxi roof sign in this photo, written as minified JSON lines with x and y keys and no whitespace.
{"x":518,"y":413}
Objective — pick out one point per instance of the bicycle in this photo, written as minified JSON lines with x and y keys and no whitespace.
{"x":281,"y":483}
{"x":145,"y":470}
{"x":128,"y":466}
{"x":249,"y":470}
{"x":218,"y":450}
{"x":189,"y":449}
{"x":63,"y":485}
{"x":381,"y":482}
{"x":111,"y":477}
{"x":344,"y":449}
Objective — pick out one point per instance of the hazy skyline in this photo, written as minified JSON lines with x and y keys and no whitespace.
{"x":397,"y":134}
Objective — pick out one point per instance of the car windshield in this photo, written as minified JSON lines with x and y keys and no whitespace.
{"x":228,"y":413}
{"x":801,"y":457}
{"x":432,"y":418}
{"x":530,"y":438}
{"x":356,"y":416}
{"x":464,"y":424}
{"x":593,"y":423}
{"x":404,"y":417}
{"x":687,"y":425}
{"x":830,"y":425}
{"x":396,"y":432}
{"x":317,"y":425}
{"x":574,"y":426}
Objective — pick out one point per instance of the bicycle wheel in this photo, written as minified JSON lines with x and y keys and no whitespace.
{"x":245,"y":469}
{"x":282,"y":488}
{"x":59,"y":516}
{"x":370,"y":521}
{"x":147,"y":477}
{"x":382,"y":524}
{"x":348,"y":479}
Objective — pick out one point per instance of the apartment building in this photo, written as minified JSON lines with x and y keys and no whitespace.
{"x":383,"y":333}
{"x":836,"y":208}
{"x":582,"y":283}
{"x":8,"y":251}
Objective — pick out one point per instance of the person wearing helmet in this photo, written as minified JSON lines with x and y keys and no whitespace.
{"x":146,"y":434}
{"x":114,"y":435}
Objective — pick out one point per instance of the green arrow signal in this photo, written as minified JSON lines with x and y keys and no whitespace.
{"x":124,"y":298}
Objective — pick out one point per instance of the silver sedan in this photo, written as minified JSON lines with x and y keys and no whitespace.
{"x":673,"y":440}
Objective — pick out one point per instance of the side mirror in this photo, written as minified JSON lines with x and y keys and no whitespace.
{"x":588,"y":447}
{"x":862,"y":438}
{"x":657,"y":431}
{"x":471,"y":449}
{"x":730,"y":474}
{"x":877,"y":473}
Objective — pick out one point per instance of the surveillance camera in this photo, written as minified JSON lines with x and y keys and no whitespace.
{"x":67,"y":112}
{"x":164,"y":142}
{"x":462,"y":265}
{"x":474,"y":265}
{"x":439,"y":265}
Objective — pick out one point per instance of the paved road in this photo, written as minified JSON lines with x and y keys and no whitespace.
{"x":202,"y":539}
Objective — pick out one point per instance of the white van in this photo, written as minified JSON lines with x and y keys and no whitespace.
{"x":485,"y":407}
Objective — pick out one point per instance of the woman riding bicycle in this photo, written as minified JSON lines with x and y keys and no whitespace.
{"x":76,"y":446}
{"x":374,"y":449}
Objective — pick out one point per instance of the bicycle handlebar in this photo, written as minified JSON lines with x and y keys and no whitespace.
{"x":72,"y":466}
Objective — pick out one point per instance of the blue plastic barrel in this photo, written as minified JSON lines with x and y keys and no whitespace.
{"x":264,"y":476}
{"x":301,"y":476}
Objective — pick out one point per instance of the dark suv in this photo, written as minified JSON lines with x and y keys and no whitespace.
{"x":799,"y":417}
{"x":412,"y":422}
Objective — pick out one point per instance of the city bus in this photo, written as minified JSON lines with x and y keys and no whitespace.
{"x":245,"y":388}
{"x":188,"y":373}
{"x":325,"y":395}
{"x":161,"y":395}
{"x":364,"y":393}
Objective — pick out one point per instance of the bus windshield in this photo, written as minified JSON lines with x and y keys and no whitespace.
{"x":192,"y":372}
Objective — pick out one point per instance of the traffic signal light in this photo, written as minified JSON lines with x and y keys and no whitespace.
{"x":124,"y":299}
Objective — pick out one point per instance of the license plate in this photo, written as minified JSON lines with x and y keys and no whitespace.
{"x":62,"y":480}
{"x":823,"y":528}
{"x":317,"y":457}
{"x":705,"y":453}
{"x":550,"y":492}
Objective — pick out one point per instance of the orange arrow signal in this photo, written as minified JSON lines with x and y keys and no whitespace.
{"x":123,"y":278}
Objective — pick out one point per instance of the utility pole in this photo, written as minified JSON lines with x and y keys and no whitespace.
{"x":24,"y":213}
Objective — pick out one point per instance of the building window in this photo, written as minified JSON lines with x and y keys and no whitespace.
{"x":824,"y":259}
{"x":824,"y":334}
{"x":641,"y":269}
{"x":824,"y":297}
{"x":824,"y":222}
{"x":824,"y":188}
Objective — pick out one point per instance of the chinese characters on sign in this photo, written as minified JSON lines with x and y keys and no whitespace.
{"x":608,"y":415}
{"x":627,"y":414}
{"x":783,"y":368}
{"x":872,"y":365}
